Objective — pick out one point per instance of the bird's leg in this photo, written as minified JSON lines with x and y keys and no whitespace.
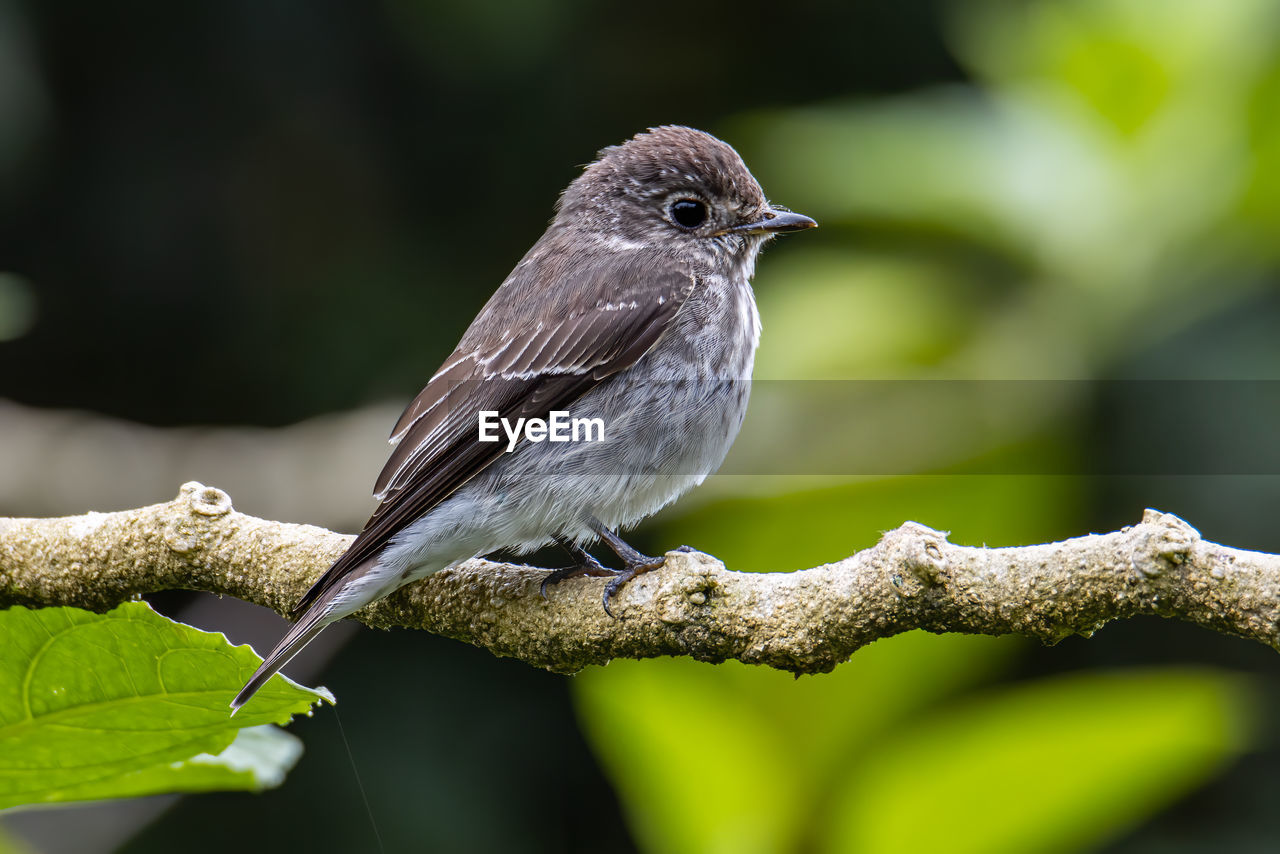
{"x":634,"y":563}
{"x":583,"y":564}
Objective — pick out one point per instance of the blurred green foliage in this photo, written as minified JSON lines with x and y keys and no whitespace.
{"x":880,"y":756}
{"x":728,"y":758}
{"x":17,"y":306}
{"x":1109,"y":177}
{"x":9,"y":845}
{"x":1058,"y":764}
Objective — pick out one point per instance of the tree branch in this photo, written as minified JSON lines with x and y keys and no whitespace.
{"x":804,"y":622}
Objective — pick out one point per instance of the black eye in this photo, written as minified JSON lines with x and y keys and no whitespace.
{"x":689,"y":213}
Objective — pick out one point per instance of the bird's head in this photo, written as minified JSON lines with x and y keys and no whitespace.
{"x":676,"y":189}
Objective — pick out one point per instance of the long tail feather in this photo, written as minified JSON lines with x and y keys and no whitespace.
{"x":290,"y":645}
{"x":336,"y":599}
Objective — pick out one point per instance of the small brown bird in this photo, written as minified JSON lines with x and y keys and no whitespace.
{"x":634,"y":309}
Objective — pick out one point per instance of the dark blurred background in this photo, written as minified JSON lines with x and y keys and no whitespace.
{"x":235,"y":238}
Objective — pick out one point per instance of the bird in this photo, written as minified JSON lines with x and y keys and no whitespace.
{"x":634,"y":308}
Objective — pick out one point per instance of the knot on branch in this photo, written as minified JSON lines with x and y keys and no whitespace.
{"x":205,"y":500}
{"x":919,"y":550}
{"x":1171,"y":539}
{"x":190,"y":530}
{"x":687,"y":585}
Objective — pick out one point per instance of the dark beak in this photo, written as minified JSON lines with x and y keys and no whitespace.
{"x":775,"y":222}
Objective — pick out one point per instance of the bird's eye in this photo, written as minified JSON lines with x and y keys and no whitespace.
{"x":689,"y":213}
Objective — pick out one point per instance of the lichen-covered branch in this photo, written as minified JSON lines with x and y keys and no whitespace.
{"x":805,"y":622}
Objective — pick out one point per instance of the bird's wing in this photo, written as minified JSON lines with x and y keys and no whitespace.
{"x":534,"y":364}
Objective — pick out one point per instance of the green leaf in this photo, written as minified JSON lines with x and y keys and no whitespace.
{"x":1056,"y":765}
{"x":258,"y":759}
{"x":129,"y":703}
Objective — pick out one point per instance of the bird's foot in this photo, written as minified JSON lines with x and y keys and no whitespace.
{"x":634,"y":562}
{"x":642,"y":564}
{"x":583,"y":564}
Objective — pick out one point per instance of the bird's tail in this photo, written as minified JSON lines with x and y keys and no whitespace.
{"x":298,"y":636}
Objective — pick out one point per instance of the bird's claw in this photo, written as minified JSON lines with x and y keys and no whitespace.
{"x":586,"y":565}
{"x":632,"y":569}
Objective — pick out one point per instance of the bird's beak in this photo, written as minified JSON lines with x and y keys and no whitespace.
{"x":775,"y":221}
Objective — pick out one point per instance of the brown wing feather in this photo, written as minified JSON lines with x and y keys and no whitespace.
{"x":621,"y":312}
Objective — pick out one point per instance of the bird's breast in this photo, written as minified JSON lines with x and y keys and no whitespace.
{"x":715,"y":335}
